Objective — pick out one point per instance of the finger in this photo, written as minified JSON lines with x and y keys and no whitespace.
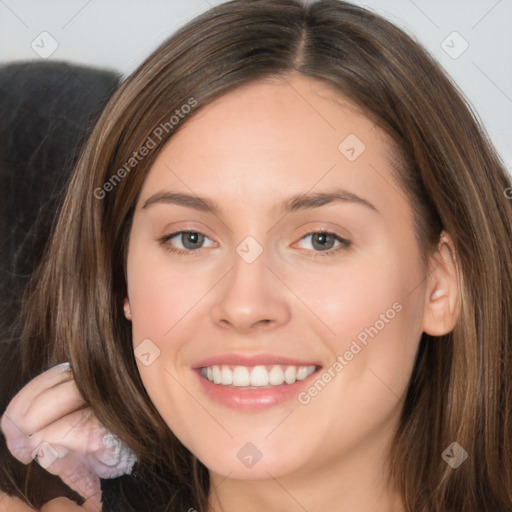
{"x":52,"y":377}
{"x":51,"y":405}
{"x":71,"y":432}
{"x":78,"y":476}
{"x":59,"y":433}
{"x":31,"y":413}
{"x":81,"y":434}
{"x":49,"y":408}
{"x":74,"y":470}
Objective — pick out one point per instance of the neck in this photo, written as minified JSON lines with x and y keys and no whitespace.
{"x":356,"y":481}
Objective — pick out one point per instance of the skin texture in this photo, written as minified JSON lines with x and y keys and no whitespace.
{"x":10,"y":504}
{"x":249,"y":151}
{"x":276,"y":139}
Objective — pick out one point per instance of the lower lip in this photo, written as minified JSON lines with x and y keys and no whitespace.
{"x":254,"y":399}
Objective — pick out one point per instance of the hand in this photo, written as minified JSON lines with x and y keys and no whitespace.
{"x":48,"y":421}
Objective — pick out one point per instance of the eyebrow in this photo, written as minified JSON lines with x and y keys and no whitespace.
{"x":317,"y":199}
{"x":292,"y":204}
{"x":191,"y":201}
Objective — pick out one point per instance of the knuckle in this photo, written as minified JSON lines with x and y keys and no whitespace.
{"x":20,"y":449}
{"x":14,"y":411}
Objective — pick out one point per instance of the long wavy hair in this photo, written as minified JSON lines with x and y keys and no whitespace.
{"x":461,"y":386}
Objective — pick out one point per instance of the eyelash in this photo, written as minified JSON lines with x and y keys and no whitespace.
{"x":343,"y":244}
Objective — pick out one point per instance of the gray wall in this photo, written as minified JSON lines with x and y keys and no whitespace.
{"x":120,"y":33}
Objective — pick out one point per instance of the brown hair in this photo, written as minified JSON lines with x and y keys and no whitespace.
{"x":461,"y":386}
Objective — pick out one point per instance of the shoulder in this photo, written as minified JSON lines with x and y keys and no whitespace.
{"x":12,"y":504}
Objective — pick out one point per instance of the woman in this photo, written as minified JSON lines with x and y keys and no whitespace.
{"x":278,"y":273}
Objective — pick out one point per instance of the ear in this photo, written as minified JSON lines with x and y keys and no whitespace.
{"x":127,"y":310}
{"x":442,"y":301}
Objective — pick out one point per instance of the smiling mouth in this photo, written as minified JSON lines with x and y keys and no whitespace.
{"x":256,"y":377}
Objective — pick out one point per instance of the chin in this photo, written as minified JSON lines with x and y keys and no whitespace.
{"x":250,"y":463}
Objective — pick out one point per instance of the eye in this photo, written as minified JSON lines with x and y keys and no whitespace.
{"x":325,"y":242}
{"x":184,"y":242}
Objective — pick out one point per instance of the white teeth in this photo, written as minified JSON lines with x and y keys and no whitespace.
{"x":302,"y":373}
{"x":226,"y":376}
{"x":256,"y":376}
{"x":290,"y":374}
{"x":259,"y":376}
{"x":217,"y":376}
{"x":276,"y":376}
{"x":241,"y":376}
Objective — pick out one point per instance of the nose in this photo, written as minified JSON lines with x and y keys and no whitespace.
{"x":250,"y":298}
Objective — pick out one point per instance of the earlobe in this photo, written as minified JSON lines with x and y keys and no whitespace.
{"x":442,"y":301}
{"x":127,"y":310}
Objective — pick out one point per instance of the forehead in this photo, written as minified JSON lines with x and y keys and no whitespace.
{"x":273,"y":138}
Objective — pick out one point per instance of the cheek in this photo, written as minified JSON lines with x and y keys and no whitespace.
{"x":162,"y":300}
{"x":157,"y":303}
{"x":369,"y":318}
{"x":368,"y":312}
{"x":161,"y":293}
{"x":349,"y":297}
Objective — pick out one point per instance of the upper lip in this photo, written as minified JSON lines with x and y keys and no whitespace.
{"x":253,"y":360}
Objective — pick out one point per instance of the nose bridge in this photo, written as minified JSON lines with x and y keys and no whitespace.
{"x":250,"y":295}
{"x":249,"y":275}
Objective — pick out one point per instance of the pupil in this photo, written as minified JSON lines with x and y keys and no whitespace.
{"x":191,"y":240}
{"x":323,"y":241}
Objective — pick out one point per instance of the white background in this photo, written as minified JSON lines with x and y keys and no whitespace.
{"x":119,"y":34}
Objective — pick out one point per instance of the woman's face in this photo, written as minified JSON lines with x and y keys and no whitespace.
{"x":301,"y":257}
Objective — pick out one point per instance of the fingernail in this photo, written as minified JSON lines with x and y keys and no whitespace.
{"x":66,"y":367}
